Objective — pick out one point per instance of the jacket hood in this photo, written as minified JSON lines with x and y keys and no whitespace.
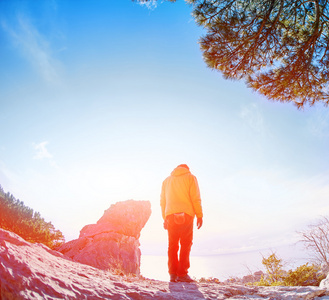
{"x":180,"y":170}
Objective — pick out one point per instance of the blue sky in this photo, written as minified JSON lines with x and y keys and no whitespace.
{"x":100,"y":100}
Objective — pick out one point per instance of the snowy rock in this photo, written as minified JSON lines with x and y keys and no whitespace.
{"x":113,"y":242}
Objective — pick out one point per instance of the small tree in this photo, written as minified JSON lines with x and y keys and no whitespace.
{"x":316,"y":239}
{"x":274,"y":271}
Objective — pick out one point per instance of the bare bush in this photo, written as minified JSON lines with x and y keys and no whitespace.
{"x":316,"y":239}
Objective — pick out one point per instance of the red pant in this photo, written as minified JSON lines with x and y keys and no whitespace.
{"x":179,"y":235}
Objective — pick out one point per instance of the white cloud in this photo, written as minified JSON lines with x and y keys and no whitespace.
{"x":34,"y":46}
{"x":41,"y":151}
{"x":150,"y":4}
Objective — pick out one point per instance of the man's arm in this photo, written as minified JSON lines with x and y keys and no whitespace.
{"x":196,"y":198}
{"x":163,"y":205}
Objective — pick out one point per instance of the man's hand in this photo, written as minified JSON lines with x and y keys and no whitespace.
{"x":199,"y":222}
{"x":165,"y":224}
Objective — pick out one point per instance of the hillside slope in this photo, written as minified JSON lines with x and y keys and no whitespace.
{"x":33,"y":271}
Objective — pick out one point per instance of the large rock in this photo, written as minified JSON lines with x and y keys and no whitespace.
{"x":33,"y":271}
{"x":127,"y":218}
{"x":113,"y":242}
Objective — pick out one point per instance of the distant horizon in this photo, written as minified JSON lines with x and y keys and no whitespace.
{"x":229,"y":252}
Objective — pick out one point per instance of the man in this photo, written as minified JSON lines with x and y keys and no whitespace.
{"x":180,"y":202}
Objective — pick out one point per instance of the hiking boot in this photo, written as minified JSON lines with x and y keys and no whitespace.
{"x":185,"y":278}
{"x":173,"y":277}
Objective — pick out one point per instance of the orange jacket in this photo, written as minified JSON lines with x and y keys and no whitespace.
{"x":180,"y":193}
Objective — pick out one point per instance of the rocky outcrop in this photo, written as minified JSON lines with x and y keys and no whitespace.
{"x":113,"y":242}
{"x":33,"y":271}
{"x":325,"y":283}
{"x":248,"y":279}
